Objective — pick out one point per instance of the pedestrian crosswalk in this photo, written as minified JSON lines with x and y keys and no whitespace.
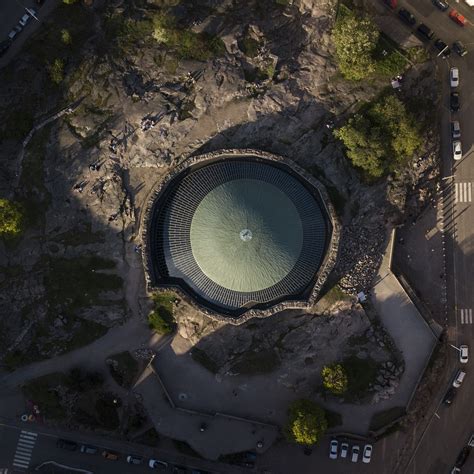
{"x":466,"y":316}
{"x":463,"y":192}
{"x":24,"y":449}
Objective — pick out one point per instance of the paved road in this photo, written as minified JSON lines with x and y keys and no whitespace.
{"x":449,"y":428}
{"x":25,"y":447}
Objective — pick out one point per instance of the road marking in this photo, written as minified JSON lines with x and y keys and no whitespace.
{"x":24,"y":449}
{"x":466,"y":316}
{"x":463,"y":192}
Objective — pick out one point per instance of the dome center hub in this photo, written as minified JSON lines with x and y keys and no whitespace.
{"x":246,"y":235}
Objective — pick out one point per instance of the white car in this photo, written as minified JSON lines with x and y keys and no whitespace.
{"x":333,"y":449}
{"x":156,"y":464}
{"x":457,"y":150}
{"x":367,"y":455}
{"x":463,"y":354}
{"x":454,"y":77}
{"x":344,"y":450}
{"x":455,"y":129}
{"x":13,"y":33}
{"x":458,"y":380}
{"x":355,"y":453}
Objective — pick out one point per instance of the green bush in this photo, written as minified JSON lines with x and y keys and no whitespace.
{"x":334,"y":378}
{"x":161,"y":318}
{"x":11,"y":218}
{"x":56,"y":71}
{"x":355,"y":39}
{"x":381,"y":138}
{"x":66,"y":37}
{"x":306,"y":422}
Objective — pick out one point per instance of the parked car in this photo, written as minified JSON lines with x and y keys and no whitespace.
{"x":344,"y":450}
{"x":463,"y":354}
{"x":87,"y":449}
{"x":66,"y":444}
{"x":462,"y":457}
{"x":454,"y":77}
{"x":441,"y":4}
{"x":470,"y":443}
{"x":4,"y":45}
{"x":110,"y":455}
{"x":449,"y":397}
{"x":457,"y":155}
{"x":460,"y":376}
{"x":454,"y":101}
{"x":14,"y":33}
{"x":460,"y":49}
{"x":406,"y":16}
{"x":25,"y":19}
{"x":39,"y":2}
{"x":391,"y":3}
{"x":455,"y":470}
{"x":457,"y":17}
{"x":442,"y":47}
{"x":425,"y":32}
{"x":157,"y":464}
{"x":455,"y":129}
{"x":333,"y":446}
{"x":355,"y":453}
{"x":367,"y":454}
{"x":136,"y":460}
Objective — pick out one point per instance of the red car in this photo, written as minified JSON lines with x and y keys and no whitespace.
{"x":391,"y":3}
{"x":457,"y":17}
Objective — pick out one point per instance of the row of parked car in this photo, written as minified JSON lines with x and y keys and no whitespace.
{"x":131,"y":458}
{"x":18,"y":28}
{"x":425,"y":33}
{"x":343,"y":453}
{"x":455,"y":104}
{"x":452,"y":391}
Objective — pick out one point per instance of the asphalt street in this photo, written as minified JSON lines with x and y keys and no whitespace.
{"x":449,"y":428}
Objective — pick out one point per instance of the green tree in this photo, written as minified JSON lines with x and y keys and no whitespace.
{"x":381,"y":138}
{"x":355,"y":39}
{"x":306,"y":422}
{"x":69,"y":2}
{"x":334,"y":378}
{"x":66,"y":37}
{"x":56,"y":71}
{"x":11,"y":218}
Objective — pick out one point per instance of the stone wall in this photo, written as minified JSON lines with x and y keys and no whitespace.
{"x":324,"y":270}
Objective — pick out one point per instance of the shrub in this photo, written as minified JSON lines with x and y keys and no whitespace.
{"x":66,"y":37}
{"x":355,"y":39}
{"x":161,"y":318}
{"x":56,"y":71}
{"x":381,"y":138}
{"x":11,"y":218}
{"x":334,"y":378}
{"x":306,"y":422}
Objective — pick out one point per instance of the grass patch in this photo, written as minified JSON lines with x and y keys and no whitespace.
{"x":125,"y":370}
{"x":78,"y":236}
{"x":249,"y":46}
{"x":389,"y":59}
{"x":253,"y":363}
{"x":43,"y":392}
{"x":334,"y":295}
{"x":74,"y":283}
{"x":360,"y":374}
{"x":161,"y":318}
{"x":385,"y":417}
{"x":202,"y":358}
{"x":333,"y":418}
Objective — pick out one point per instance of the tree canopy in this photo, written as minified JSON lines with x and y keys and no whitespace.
{"x":306,"y":422}
{"x":11,"y":217}
{"x":334,"y":378}
{"x":382,"y":137}
{"x":355,"y":39}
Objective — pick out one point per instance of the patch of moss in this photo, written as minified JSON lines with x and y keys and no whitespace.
{"x":161,"y":318}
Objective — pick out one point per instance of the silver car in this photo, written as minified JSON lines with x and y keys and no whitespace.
{"x":455,"y":129}
{"x":333,"y":449}
{"x":457,"y":150}
{"x":14,"y":33}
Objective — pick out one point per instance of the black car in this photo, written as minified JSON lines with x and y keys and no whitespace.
{"x":4,"y":45}
{"x":406,"y":16}
{"x":449,"y":397}
{"x":66,"y":444}
{"x":462,"y":457}
{"x":459,"y":47}
{"x":454,"y":101}
{"x":442,"y":5}
{"x":424,"y":32}
{"x":442,"y":47}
